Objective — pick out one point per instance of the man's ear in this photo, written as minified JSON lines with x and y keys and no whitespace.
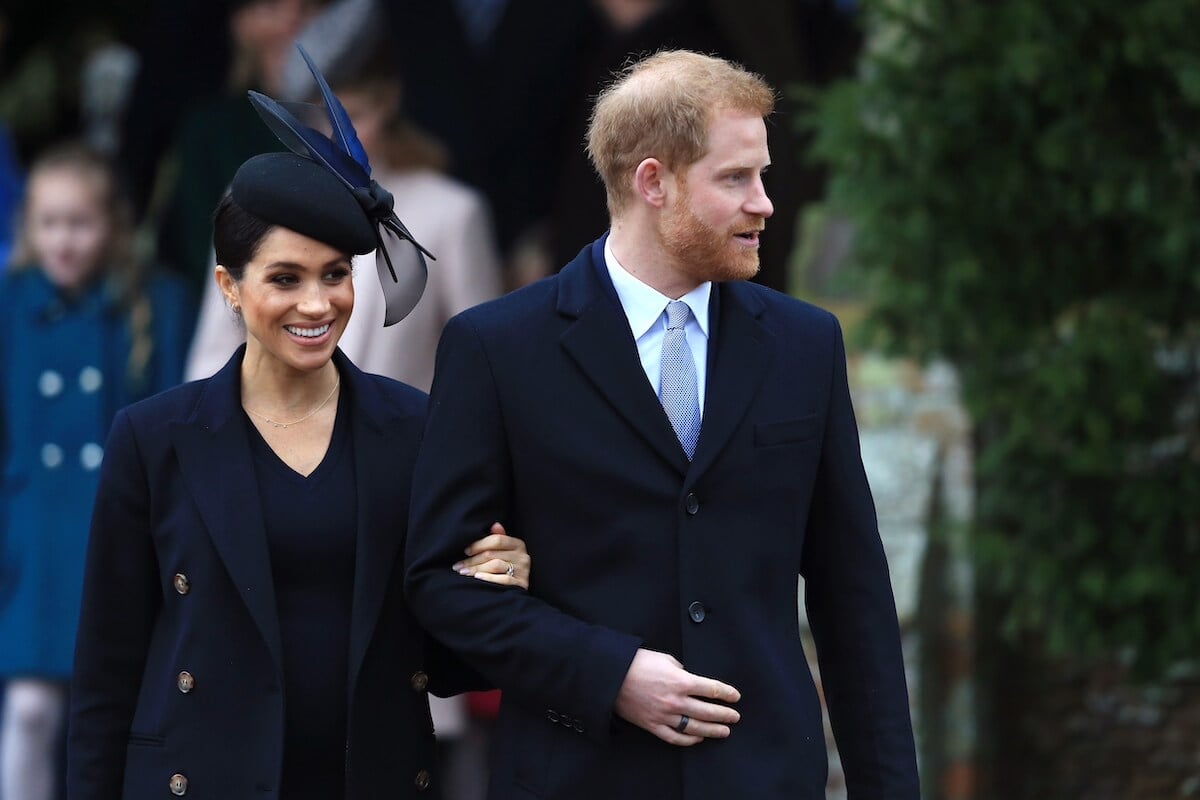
{"x":652,"y":181}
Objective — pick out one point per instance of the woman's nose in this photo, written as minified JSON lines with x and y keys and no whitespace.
{"x":315,"y":301}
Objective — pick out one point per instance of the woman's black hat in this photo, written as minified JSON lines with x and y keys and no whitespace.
{"x":323,"y":189}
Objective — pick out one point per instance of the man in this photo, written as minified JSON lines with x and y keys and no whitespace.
{"x":675,"y":445}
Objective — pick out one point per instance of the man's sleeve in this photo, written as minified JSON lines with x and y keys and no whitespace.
{"x":853,"y":615}
{"x":464,"y":481}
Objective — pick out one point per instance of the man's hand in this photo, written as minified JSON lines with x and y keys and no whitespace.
{"x":658,"y":692}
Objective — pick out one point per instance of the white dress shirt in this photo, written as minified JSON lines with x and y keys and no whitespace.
{"x":646,"y":310}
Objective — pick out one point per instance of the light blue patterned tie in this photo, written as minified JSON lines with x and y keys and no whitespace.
{"x":677,"y":382}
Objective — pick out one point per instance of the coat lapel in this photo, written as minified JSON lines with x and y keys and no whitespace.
{"x":376,"y":433}
{"x":215,"y":460}
{"x":600,"y":342}
{"x":735,"y":370}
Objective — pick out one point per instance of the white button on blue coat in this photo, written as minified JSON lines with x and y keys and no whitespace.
{"x":50,"y":383}
{"x":90,"y":379}
{"x":90,"y":456}
{"x":52,"y":456}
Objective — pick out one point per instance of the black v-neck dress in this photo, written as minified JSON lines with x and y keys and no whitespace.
{"x":311,"y":525}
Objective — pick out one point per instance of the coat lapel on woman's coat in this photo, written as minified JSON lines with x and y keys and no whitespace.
{"x":216,"y":462}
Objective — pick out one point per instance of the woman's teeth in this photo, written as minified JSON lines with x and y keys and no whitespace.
{"x":307,"y":333}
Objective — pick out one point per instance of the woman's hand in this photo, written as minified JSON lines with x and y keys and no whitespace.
{"x":497,"y":558}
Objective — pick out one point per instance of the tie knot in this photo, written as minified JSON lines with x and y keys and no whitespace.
{"x":678,"y":313}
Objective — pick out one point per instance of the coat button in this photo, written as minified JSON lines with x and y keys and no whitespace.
{"x":182,"y":584}
{"x":91,"y":455}
{"x":420,"y":681}
{"x":691,"y":504}
{"x":186,"y":682}
{"x":90,"y":380}
{"x":52,"y":456}
{"x":178,"y":785}
{"x":697,"y":612}
{"x":50,"y":383}
{"x":423,"y":780}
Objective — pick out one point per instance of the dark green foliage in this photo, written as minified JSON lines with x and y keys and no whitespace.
{"x":1024,"y":177}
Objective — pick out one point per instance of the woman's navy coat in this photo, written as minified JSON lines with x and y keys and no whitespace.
{"x":179,"y":581}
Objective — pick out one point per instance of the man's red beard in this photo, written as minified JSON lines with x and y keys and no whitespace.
{"x":702,"y":251}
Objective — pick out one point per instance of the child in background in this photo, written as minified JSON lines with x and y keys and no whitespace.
{"x":84,"y":333}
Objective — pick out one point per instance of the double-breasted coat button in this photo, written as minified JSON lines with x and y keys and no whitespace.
{"x":179,"y":785}
{"x":182,"y":584}
{"x":697,"y":612}
{"x":186,"y":682}
{"x":52,"y":456}
{"x":91,"y":455}
{"x":423,"y":780}
{"x":50,"y":383}
{"x":691,"y":504}
{"x":420,"y":681}
{"x":90,"y":379}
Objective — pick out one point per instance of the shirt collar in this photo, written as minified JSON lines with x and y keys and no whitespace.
{"x":644,"y":305}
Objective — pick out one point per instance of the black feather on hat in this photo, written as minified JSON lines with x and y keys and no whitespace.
{"x":323,"y":189}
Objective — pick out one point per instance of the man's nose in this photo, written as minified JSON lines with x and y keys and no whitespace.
{"x":758,"y":203}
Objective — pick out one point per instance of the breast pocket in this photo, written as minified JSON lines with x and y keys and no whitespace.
{"x":788,"y":431}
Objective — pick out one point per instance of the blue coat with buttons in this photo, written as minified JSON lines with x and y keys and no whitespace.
{"x":541,"y":416}
{"x":64,"y":373}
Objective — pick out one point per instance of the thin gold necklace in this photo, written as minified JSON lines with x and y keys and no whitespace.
{"x":309,"y":415}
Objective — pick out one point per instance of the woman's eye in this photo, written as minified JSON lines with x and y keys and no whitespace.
{"x":283,"y":280}
{"x":337,"y":274}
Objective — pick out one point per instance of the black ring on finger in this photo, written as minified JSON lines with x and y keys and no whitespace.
{"x":683,"y":723}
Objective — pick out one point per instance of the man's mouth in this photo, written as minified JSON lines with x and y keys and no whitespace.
{"x":749,"y":237}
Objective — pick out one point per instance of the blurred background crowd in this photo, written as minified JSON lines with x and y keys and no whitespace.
{"x":1000,"y":200}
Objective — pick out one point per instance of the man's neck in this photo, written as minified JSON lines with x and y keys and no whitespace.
{"x":642,"y":257}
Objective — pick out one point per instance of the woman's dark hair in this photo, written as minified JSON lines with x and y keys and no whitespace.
{"x":237,"y":235}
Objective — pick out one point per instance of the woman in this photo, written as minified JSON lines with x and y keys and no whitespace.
{"x":244,"y":631}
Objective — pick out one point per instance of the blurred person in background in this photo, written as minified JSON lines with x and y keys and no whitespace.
{"x":12,"y":185}
{"x":85,"y":333}
{"x":221,"y":132}
{"x":492,"y":80}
